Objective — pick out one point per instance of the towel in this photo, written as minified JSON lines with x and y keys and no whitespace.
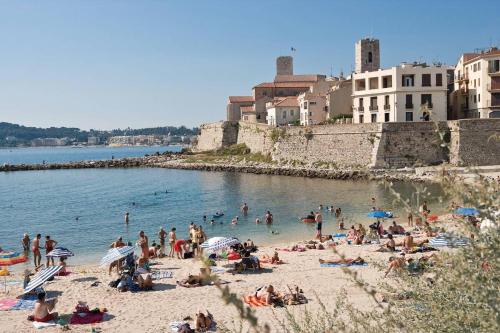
{"x":176,"y":325}
{"x":158,"y":275}
{"x":254,"y":301}
{"x":343,"y":265}
{"x":88,"y":318}
{"x":43,"y":325}
{"x":339,"y":235}
{"x":24,"y":304}
{"x":217,"y":269}
{"x":10,"y":283}
{"x":6,"y":304}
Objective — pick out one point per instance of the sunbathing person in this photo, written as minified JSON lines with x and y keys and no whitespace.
{"x":267,"y":294}
{"x":389,"y":246}
{"x":408,"y":242}
{"x":395,"y":264}
{"x":145,"y":281}
{"x":62,"y":262}
{"x":204,"y":322}
{"x":250,"y":261}
{"x":351,"y":235}
{"x":274,"y":260}
{"x":43,"y":308}
{"x":347,"y":261}
{"x":396,"y":229}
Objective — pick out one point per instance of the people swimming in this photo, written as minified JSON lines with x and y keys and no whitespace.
{"x":235,"y":220}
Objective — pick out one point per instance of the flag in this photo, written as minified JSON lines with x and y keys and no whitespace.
{"x":293,"y":49}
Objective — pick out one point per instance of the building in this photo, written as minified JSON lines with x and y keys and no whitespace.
{"x":282,"y":111}
{"x":339,"y":99}
{"x":93,"y":140}
{"x":234,"y":105}
{"x":408,"y":92}
{"x":313,"y":109}
{"x":477,"y":85}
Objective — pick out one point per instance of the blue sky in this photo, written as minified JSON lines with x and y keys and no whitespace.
{"x":114,"y":64}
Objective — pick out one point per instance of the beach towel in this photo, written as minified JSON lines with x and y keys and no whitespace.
{"x":66,"y":273}
{"x":158,"y":275}
{"x":254,"y":301}
{"x":339,"y":235}
{"x":24,"y":304}
{"x":10,"y":283}
{"x":343,"y":265}
{"x":216,"y":270}
{"x":40,"y":325}
{"x":6,"y":304}
{"x":86,"y":318}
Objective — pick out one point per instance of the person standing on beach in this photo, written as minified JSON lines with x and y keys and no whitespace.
{"x":49,"y":246}
{"x":37,"y":257}
{"x":269,"y":218}
{"x":410,"y":219}
{"x":126,"y":217}
{"x":319,"y":224}
{"x":162,"y":234}
{"x":244,"y":209}
{"x":200,"y":238}
{"x":26,"y":243}
{"x":142,"y":242}
{"x":172,"y":237}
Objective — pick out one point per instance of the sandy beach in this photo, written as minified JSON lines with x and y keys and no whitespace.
{"x":152,"y":311}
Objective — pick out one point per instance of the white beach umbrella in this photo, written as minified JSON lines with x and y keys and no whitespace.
{"x":42,"y":277}
{"x":218,"y":243}
{"x":115,"y":254}
{"x":211,"y":241}
{"x":60,"y":252}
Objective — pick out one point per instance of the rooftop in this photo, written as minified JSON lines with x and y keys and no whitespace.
{"x":284,"y":85}
{"x":288,"y":102}
{"x":470,"y":57}
{"x":299,"y":78}
{"x":240,"y":99}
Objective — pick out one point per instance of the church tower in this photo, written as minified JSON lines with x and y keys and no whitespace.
{"x":367,"y":55}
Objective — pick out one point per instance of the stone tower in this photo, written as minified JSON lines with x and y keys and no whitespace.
{"x":284,"y":65}
{"x":367,"y":55}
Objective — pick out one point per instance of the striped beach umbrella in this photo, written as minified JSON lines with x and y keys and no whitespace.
{"x":60,"y":252}
{"x":41,"y":277}
{"x":9,"y":258}
{"x":220,"y":243}
{"x":447,"y":240}
{"x":115,"y":254}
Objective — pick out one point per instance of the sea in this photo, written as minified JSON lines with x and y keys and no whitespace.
{"x":83,"y":209}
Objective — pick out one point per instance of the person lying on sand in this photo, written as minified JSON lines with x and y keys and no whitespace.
{"x":295,"y":297}
{"x":408,"y":242}
{"x":267,"y":294}
{"x":204,"y":322}
{"x":389,"y":246}
{"x":348,"y":261}
{"x":274,"y":260}
{"x":43,"y":308}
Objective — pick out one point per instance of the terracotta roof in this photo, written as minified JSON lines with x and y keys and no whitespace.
{"x":246,"y":109}
{"x":475,"y":56}
{"x":289,"y":101}
{"x":284,"y":85}
{"x":299,"y":78}
{"x":240,"y":99}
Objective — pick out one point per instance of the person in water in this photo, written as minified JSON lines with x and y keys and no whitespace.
{"x":49,"y":246}
{"x":319,"y":224}
{"x":235,"y":220}
{"x":269,"y":218}
{"x":126,"y":217}
{"x":26,"y":242}
{"x":37,"y":256}
{"x":257,"y":221}
{"x":244,"y":209}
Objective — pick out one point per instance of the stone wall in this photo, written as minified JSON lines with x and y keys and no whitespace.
{"x":375,"y":145}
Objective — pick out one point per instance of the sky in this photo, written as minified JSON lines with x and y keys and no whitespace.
{"x":117,"y":64}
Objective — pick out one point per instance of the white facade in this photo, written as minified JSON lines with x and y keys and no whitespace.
{"x":477,"y":79}
{"x":282,"y":115}
{"x":410,"y":92}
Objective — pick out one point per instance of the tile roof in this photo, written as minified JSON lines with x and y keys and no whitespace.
{"x":289,"y":101}
{"x":299,"y":78}
{"x":240,"y":99}
{"x":284,"y":85}
{"x":469,"y":57}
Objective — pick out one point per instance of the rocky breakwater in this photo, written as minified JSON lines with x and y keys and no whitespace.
{"x":131,"y":162}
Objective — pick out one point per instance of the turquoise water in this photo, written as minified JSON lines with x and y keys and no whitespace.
{"x":36,"y":155}
{"x":48,"y":202}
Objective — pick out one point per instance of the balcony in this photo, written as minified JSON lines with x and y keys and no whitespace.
{"x":361,"y":108}
{"x":495,"y":87}
{"x":493,"y":72}
{"x":373,"y":107}
{"x":493,"y":104}
{"x":409,"y":105}
{"x":387,"y":107}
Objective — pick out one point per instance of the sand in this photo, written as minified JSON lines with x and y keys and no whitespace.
{"x":152,"y":311}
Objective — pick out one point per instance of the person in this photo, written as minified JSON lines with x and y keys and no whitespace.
{"x":62,"y":263}
{"x":49,"y":246}
{"x":348,"y":261}
{"x":162,"y":234}
{"x":143,"y":243}
{"x":360,"y":235}
{"x":408,"y":242}
{"x":42,"y":312}
{"x":37,"y":256}
{"x":172,"y":237}
{"x":257,"y":221}
{"x":153,"y":250}
{"x":429,"y":232}
{"x":338,"y":212}
{"x":396,"y":229}
{"x":192,"y":236}
{"x":373,"y":201}
{"x":341,"y":224}
{"x":145,"y":281}
{"x":318,"y":218}
{"x":267,"y":294}
{"x":320,"y":208}
{"x":276,"y":259}
{"x":410,"y":219}
{"x":395,"y":264}
{"x":352,"y":234}
{"x":235,"y":220}
{"x":204,"y":218}
{"x":200,"y":238}
{"x":26,"y":242}
{"x":116,"y":244}
{"x":212,"y":221}
{"x":204,"y":322}
{"x":269,"y":218}
{"x":389,"y":246}
{"x":178,"y":247}
{"x":126,"y":216}
{"x":244,"y":209}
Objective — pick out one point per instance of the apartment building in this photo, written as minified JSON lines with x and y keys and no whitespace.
{"x":477,"y":85}
{"x":313,"y":109}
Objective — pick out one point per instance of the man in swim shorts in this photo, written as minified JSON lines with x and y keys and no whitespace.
{"x":49,"y":246}
{"x":37,"y":257}
{"x":42,"y":309}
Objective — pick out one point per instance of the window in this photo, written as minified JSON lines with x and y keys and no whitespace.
{"x":493,"y":66}
{"x":361,"y":119}
{"x":479,"y":66}
{"x":409,"y":116}
{"x":258,"y":116}
{"x":245,"y":117}
{"x":312,"y":103}
{"x":474,"y":68}
{"x":361,"y":102}
{"x":373,"y":104}
{"x":408,"y":80}
{"x":475,"y":98}
{"x":373,"y":83}
{"x":426,"y":99}
{"x":426,"y":80}
{"x":386,"y":117}
{"x":479,"y":82}
{"x":374,"y":118}
{"x":305,"y":106}
{"x":426,"y":116}
{"x":387,"y":105}
{"x":387,"y":81}
{"x":284,"y":114}
{"x":474,"y":83}
{"x":264,"y":93}
{"x":291,"y":113}
{"x":409,"y":101}
{"x":310,"y":114}
{"x":370,"y":57}
{"x":439,"y":80}
{"x":479,"y":97}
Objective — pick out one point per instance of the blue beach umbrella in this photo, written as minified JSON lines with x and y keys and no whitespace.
{"x":466,"y":211}
{"x":378,"y":214}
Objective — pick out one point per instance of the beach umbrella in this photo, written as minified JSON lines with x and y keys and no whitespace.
{"x":220,"y":243}
{"x":211,"y":241}
{"x":115,"y":254}
{"x":466,"y":211}
{"x":447,"y":240}
{"x":60,"y":252}
{"x":9,"y":258}
{"x":41,"y":277}
{"x":379,"y":214}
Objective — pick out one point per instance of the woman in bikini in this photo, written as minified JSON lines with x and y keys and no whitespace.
{"x":171,"y":241}
{"x":37,"y":257}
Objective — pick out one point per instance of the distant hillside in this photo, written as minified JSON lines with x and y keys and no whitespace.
{"x":13,"y":134}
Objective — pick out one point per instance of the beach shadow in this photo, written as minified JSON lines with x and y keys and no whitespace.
{"x":85,"y":279}
{"x":258,"y":271}
{"x":163,"y":286}
{"x":53,"y":293}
